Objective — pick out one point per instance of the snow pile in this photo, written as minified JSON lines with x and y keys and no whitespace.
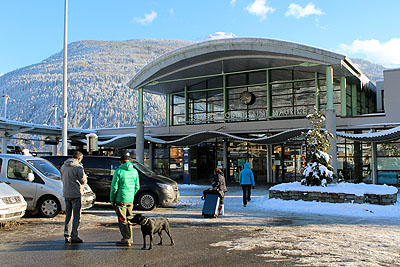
{"x":261,"y":205}
{"x":346,"y":188}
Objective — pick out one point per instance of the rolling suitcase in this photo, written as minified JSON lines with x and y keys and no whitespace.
{"x":211,"y":205}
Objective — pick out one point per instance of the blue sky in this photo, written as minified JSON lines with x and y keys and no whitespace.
{"x":33,"y":30}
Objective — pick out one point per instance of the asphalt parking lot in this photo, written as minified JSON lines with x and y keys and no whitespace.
{"x":242,"y":237}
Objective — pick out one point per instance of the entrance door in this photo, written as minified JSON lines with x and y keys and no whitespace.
{"x":206,"y":162}
{"x":293,"y":163}
{"x":287,"y":163}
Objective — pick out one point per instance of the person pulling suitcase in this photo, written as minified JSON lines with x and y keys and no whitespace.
{"x":214,"y":204}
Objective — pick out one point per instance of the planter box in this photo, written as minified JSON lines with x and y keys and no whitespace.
{"x":341,"y":193}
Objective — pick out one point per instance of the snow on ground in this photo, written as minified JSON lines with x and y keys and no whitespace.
{"x":260,"y":203}
{"x":297,"y":233}
{"x":312,"y":233}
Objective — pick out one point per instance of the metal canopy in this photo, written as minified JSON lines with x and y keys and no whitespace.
{"x":196,"y":138}
{"x":170,"y":72}
{"x":9,"y":128}
{"x":382,"y":136}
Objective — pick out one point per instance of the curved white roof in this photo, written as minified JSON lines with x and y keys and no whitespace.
{"x":165,"y":74}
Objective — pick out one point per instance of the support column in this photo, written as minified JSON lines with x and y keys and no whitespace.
{"x":54,"y":153}
{"x":226,"y":115}
{"x":269,"y":96}
{"x":317,"y":90}
{"x":225,"y":160}
{"x":151,"y":155}
{"x":186,"y":105}
{"x":363,"y":103}
{"x":140,"y":130}
{"x":374,"y":165}
{"x":354,"y":100}
{"x":269,"y":164}
{"x":343,"y":98}
{"x":331,"y":116}
{"x":4,"y":141}
{"x":168,"y":110}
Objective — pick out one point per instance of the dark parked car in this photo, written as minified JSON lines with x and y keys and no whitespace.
{"x":155,"y":190}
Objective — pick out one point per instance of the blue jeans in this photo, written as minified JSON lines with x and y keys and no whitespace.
{"x":73,"y":208}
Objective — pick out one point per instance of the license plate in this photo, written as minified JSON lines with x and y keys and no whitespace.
{"x":12,"y":210}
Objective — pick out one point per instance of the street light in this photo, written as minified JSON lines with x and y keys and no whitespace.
{"x":65,"y":110}
{"x":55,"y":107}
{"x":6,"y":97}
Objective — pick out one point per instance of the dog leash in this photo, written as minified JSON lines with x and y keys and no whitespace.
{"x":120,"y":219}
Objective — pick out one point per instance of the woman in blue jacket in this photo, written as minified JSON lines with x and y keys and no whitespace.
{"x":246,"y":180}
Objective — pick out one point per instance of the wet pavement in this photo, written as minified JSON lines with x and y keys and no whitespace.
{"x":242,"y":237}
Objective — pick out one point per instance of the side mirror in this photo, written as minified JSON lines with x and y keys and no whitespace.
{"x":31,"y":177}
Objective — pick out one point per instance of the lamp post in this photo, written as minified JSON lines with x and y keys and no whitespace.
{"x":55,"y":107}
{"x":65,"y":110}
{"x":6,"y":97}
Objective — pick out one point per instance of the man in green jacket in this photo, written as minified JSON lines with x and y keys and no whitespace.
{"x":124,"y":185}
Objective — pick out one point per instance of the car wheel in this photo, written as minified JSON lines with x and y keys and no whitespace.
{"x":147,"y":201}
{"x":48,"y":207}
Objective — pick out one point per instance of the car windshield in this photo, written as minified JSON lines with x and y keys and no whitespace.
{"x":46,"y":168}
{"x":142,"y":168}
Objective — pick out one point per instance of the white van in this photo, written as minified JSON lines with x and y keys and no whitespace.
{"x":12,"y":203}
{"x":39,"y":182}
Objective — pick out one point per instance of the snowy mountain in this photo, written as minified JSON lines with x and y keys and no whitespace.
{"x":372,"y":70}
{"x":217,"y":35}
{"x":97,"y":75}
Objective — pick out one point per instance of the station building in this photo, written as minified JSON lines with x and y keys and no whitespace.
{"x":238,"y":100}
{"x":230,"y":101}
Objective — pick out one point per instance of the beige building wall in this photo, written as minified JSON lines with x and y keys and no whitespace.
{"x":392,"y":94}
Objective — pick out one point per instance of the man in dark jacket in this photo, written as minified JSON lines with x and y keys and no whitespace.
{"x":73,"y":177}
{"x":124,"y":185}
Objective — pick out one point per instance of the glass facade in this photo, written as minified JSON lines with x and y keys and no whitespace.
{"x":353,"y":160}
{"x":260,"y":95}
{"x":251,"y":96}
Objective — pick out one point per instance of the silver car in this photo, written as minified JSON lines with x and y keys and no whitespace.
{"x":39,"y":182}
{"x":12,"y":203}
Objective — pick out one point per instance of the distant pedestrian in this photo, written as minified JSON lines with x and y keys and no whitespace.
{"x":73,"y":177}
{"x":26,"y":152}
{"x":124,"y":185}
{"x":246,"y":180}
{"x":219,"y":185}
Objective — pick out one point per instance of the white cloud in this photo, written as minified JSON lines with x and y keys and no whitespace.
{"x":171,"y":11}
{"x":260,"y":9}
{"x":386,"y":53}
{"x":319,"y":25}
{"x":298,"y":11}
{"x":148,"y":18}
{"x":233,"y":2}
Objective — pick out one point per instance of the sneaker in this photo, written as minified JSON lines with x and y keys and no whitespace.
{"x":244,"y":205}
{"x":123,"y":244}
{"x":76,"y":240}
{"x":67,"y":240}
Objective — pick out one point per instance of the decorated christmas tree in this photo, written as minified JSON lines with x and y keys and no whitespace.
{"x":318,"y":170}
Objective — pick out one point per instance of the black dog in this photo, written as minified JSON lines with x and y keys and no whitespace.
{"x":152,"y":226}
